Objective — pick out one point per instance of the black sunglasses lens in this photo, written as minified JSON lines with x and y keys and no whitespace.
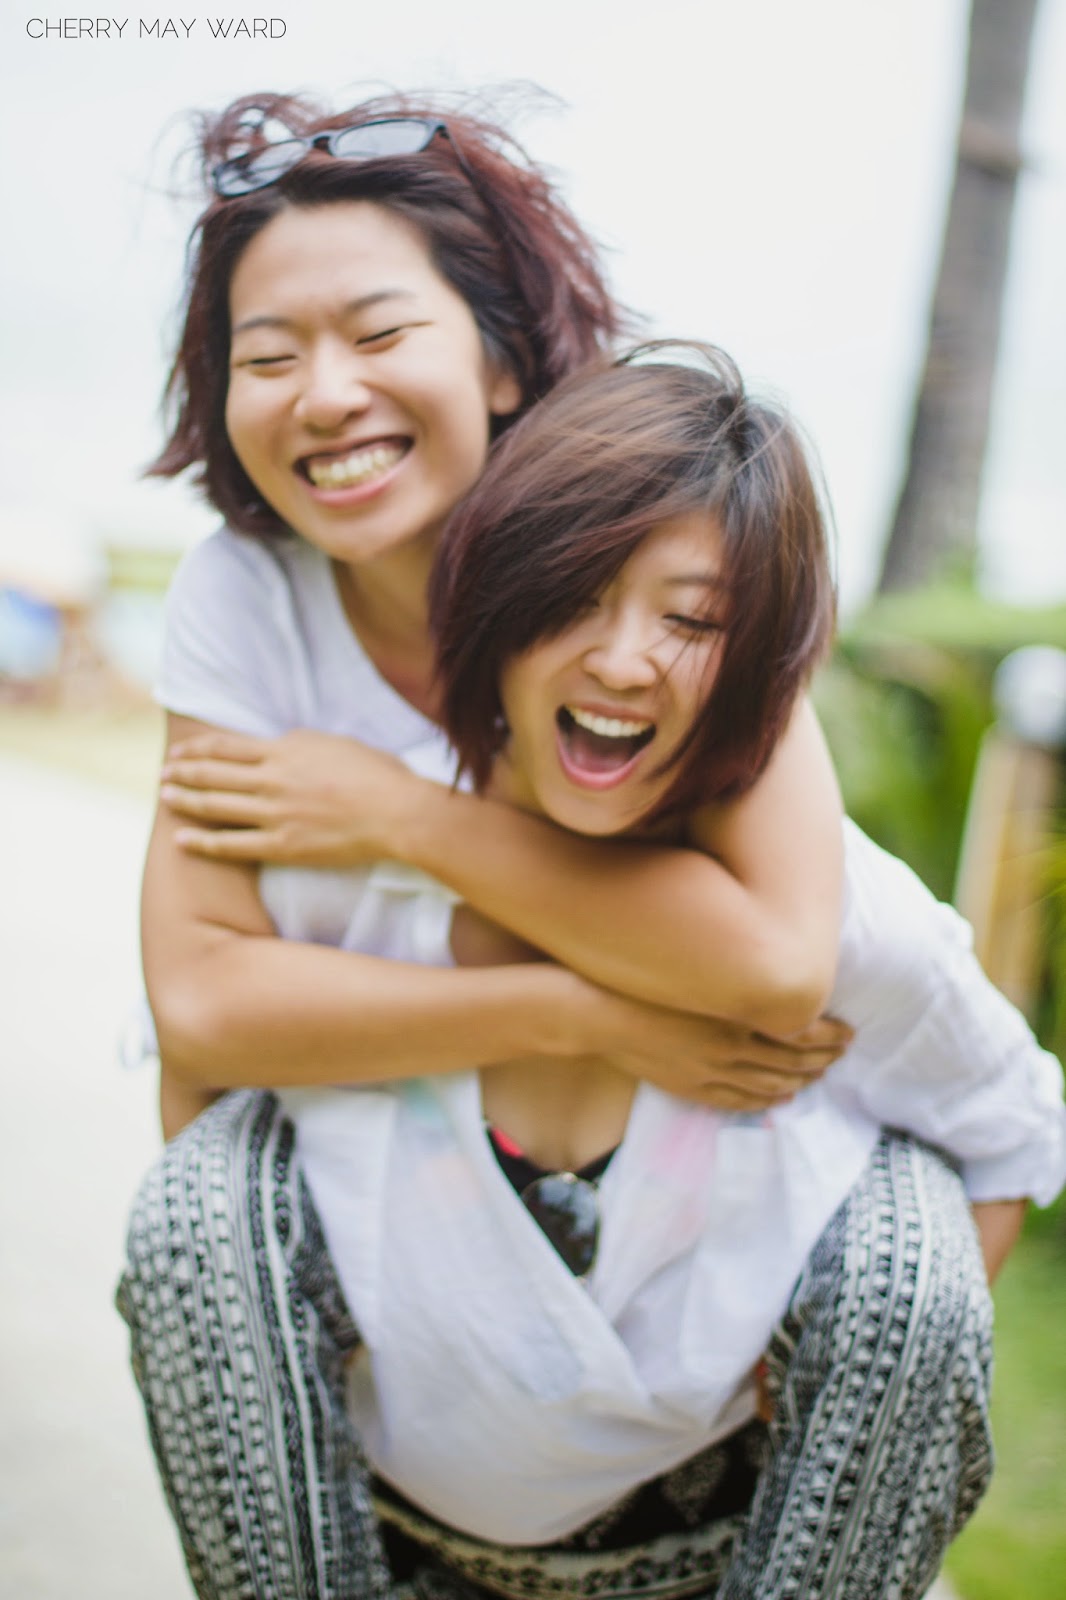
{"x":400,"y":136}
{"x":371,"y":141}
{"x":247,"y":173}
{"x":566,"y":1209}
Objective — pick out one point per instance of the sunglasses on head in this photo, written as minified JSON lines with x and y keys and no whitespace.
{"x":367,"y":141}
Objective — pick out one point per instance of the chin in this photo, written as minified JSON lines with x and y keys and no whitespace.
{"x":594,"y":821}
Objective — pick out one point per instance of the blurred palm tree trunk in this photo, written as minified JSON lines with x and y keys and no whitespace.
{"x":935,"y":524}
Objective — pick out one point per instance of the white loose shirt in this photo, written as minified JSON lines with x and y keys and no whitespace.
{"x":553,"y":1396}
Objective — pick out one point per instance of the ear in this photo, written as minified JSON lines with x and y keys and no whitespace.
{"x":505,"y":391}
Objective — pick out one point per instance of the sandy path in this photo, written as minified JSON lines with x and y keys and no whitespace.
{"x":82,"y":1511}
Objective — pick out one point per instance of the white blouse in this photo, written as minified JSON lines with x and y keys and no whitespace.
{"x":480,"y":1346}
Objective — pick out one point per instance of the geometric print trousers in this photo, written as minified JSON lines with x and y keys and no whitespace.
{"x":877,"y":1452}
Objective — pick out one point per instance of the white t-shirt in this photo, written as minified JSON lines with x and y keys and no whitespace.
{"x":480,"y":1345}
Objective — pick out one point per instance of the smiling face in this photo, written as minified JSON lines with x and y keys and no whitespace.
{"x":596,"y":711}
{"x":360,"y":394}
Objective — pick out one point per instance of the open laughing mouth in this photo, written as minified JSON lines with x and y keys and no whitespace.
{"x":352,"y":469}
{"x":596,"y":751}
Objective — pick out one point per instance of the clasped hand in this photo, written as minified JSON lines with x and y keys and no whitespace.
{"x":303,"y":799}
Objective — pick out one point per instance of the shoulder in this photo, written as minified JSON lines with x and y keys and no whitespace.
{"x":226,"y":564}
{"x":233,"y":641}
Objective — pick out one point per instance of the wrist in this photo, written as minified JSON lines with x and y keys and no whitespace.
{"x":572,"y":1018}
{"x":587,"y":1019}
{"x":403,"y":829}
{"x":424,"y":825}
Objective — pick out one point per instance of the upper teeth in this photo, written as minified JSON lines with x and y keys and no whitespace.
{"x":344,"y":472}
{"x":608,"y":727}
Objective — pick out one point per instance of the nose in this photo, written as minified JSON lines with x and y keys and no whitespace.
{"x":624,"y":653}
{"x":333,"y":390}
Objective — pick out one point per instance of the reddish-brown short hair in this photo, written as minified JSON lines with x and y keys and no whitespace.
{"x":568,"y":496}
{"x":495,"y":228}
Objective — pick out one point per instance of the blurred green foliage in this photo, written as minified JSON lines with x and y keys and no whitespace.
{"x":1016,"y":1544}
{"x":905,"y":701}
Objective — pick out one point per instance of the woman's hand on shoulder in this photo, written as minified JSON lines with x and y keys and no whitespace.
{"x":304,"y":798}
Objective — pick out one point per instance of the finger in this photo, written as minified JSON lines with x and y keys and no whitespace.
{"x":826,"y":1032}
{"x":787,"y":1060}
{"x":209,"y":805}
{"x":778,"y":1085}
{"x":241,"y":844}
{"x":221,"y":746}
{"x":203,"y":773}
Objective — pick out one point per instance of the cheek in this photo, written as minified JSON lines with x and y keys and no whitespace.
{"x":240,"y":420}
{"x":463,"y":406}
{"x":465,"y":435}
{"x":523,"y":698}
{"x":249,"y":428}
{"x":694,"y":678}
{"x":512,"y":698}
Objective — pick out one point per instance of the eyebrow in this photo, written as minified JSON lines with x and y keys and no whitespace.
{"x":351,"y":308}
{"x":701,"y":580}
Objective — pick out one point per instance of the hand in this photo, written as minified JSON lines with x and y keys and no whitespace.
{"x":305,"y":799}
{"x":724,"y":1064}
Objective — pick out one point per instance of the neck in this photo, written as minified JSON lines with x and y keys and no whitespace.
{"x":385,"y":603}
{"x":509,"y":784}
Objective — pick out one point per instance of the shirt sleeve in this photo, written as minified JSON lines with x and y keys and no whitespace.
{"x":230,"y":653}
{"x":939,"y":1051}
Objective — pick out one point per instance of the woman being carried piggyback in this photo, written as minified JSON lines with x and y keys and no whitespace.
{"x":627,"y":606}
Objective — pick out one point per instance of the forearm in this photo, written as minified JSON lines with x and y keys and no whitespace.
{"x":666,"y":925}
{"x":227,"y":1018}
{"x":742,"y":926}
{"x":998,"y":1223}
{"x":235,"y":1005}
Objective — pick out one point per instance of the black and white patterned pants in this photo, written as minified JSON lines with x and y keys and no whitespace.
{"x":877,"y":1453}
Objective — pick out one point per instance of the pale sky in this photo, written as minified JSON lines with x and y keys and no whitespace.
{"x":767,"y":175}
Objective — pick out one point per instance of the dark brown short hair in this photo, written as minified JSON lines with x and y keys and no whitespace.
{"x":495,"y":228}
{"x":572,"y":491}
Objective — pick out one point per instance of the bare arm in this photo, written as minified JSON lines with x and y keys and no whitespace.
{"x":998,"y":1223}
{"x":235,"y":1005}
{"x":743,"y":926}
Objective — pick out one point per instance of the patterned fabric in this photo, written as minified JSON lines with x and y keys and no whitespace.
{"x":239,"y":1338}
{"x":879,"y":1374}
{"x":877,"y":1453}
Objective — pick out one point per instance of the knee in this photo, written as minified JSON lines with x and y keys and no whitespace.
{"x":157,"y":1232}
{"x":187,"y":1206}
{"x":951,"y":1294}
{"x":898,"y":1278}
{"x":943,"y":1382}
{"x":924,"y":1294}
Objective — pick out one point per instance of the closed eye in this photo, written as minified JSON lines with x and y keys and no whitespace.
{"x":695,"y":624}
{"x":385,"y":335}
{"x":262,"y":362}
